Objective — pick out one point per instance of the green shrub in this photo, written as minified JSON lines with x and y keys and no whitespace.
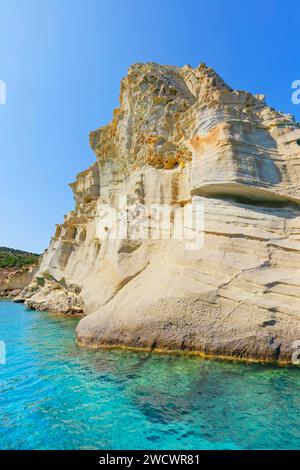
{"x":10,"y":258}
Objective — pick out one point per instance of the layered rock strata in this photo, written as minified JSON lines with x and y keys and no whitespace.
{"x":13,"y":281}
{"x":183,"y":138}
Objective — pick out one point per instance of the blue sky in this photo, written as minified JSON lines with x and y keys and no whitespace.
{"x":62,"y":61}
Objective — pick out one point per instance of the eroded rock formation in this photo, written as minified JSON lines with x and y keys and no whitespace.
{"x":182,"y":136}
{"x":14,"y":280}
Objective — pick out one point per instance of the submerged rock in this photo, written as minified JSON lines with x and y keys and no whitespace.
{"x":181,"y":137}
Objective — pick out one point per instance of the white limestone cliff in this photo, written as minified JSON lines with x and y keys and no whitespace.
{"x":182,"y":136}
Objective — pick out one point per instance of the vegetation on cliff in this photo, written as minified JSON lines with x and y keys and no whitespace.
{"x":11,"y":258}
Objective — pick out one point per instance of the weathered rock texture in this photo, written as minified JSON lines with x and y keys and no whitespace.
{"x":13,"y":281}
{"x":181,"y":136}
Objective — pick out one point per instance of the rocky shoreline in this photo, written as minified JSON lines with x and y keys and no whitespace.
{"x":13,"y":281}
{"x":188,"y":352}
{"x":183,"y":139}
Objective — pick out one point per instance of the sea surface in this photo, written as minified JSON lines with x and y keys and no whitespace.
{"x":54,"y":395}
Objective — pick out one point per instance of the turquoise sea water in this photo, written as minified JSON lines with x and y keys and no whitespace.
{"x":56,"y":396}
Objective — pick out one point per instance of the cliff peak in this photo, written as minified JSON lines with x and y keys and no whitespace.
{"x":182,"y":139}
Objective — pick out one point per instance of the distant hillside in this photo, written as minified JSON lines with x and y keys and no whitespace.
{"x":10,"y":258}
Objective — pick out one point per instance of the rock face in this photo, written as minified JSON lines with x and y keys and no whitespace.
{"x":13,"y":281}
{"x":183,"y":138}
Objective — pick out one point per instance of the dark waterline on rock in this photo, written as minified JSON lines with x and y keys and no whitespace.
{"x":54,"y":395}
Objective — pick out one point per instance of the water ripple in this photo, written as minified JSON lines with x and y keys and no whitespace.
{"x":56,"y":396}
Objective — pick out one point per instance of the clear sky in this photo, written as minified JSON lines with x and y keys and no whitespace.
{"x":62,"y":61}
